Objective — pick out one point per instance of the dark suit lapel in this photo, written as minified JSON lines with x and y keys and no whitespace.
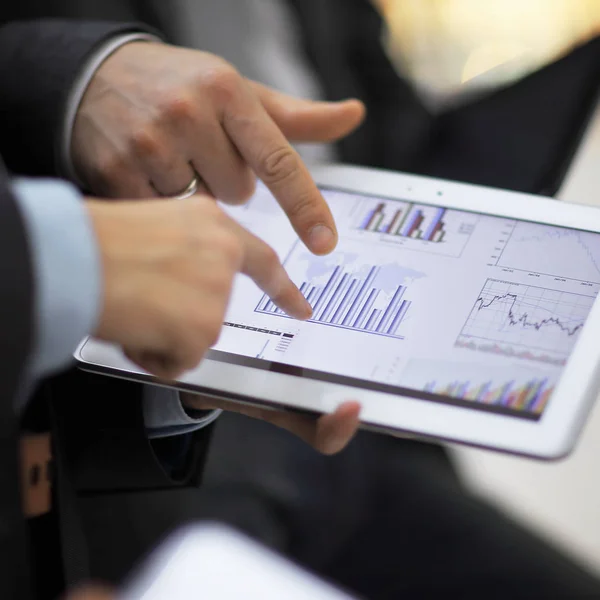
{"x":342,"y":39}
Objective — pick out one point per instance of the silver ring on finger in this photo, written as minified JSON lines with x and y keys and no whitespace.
{"x":190,"y":190}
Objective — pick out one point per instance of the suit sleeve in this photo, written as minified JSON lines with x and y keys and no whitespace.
{"x":16,"y":321}
{"x":39,"y":62}
{"x":16,"y":294}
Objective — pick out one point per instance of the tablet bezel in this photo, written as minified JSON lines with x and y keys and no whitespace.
{"x":552,"y":436}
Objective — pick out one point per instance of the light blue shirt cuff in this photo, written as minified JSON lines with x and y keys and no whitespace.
{"x":66,"y":266}
{"x":164,"y":414}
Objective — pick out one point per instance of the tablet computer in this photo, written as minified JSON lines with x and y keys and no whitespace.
{"x":450,"y":311}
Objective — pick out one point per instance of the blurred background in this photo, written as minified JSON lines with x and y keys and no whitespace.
{"x":453,"y":48}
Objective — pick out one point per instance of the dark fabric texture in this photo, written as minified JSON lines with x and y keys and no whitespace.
{"x":342,"y":39}
{"x":46,"y":557}
{"x":521,"y":137}
{"x":524,"y":136}
{"x":40,"y":60}
{"x":107,"y":449}
{"x":386,"y":519}
{"x":16,"y":310}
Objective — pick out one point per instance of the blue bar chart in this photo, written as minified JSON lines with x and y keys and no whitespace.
{"x":351,"y":300}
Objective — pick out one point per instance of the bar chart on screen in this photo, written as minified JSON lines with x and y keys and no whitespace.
{"x":349,"y":293}
{"x":432,"y":229}
{"x":514,"y":388}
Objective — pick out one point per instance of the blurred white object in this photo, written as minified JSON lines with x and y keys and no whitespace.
{"x":451,"y":49}
{"x":213,"y":562}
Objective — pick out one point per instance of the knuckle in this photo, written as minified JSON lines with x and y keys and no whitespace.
{"x":223,"y":82}
{"x":269,"y":258}
{"x":279,"y":165}
{"x":229,"y":246}
{"x":177,"y":108}
{"x":144,"y":143}
{"x":217,"y":282}
{"x":109,"y":168}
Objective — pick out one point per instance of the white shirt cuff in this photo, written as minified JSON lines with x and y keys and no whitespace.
{"x":66,"y":167}
{"x":164,"y":414}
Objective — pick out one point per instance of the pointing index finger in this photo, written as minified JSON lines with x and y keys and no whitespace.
{"x":262,"y":264}
{"x":269,"y":154}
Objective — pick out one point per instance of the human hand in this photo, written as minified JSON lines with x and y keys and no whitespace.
{"x":168,"y":270}
{"x":328,"y":434}
{"x":91,"y":593}
{"x":153,"y":114}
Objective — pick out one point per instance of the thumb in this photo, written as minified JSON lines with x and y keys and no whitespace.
{"x":309,"y":121}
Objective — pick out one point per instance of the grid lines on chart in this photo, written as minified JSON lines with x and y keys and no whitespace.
{"x":521,"y":315}
{"x":554,"y":251}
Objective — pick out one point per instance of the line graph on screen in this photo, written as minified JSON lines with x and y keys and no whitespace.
{"x":525,"y":321}
{"x":553,"y":251}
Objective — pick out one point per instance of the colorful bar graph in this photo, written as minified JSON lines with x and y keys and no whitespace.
{"x":395,"y":222}
{"x":409,"y":221}
{"x":415,"y":230}
{"x":531,"y":396}
{"x":435,"y":226}
{"x":410,"y":226}
{"x":349,"y":301}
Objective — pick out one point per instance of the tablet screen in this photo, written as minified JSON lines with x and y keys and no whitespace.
{"x":432,"y":303}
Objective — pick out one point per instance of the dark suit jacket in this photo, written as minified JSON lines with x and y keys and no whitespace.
{"x":15,"y":345}
{"x":97,"y":423}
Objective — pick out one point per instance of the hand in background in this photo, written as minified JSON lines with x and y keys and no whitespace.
{"x":91,"y":593}
{"x":328,"y":434}
{"x":153,"y":114}
{"x":168,"y":269}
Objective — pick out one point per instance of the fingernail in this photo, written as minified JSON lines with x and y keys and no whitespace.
{"x":302,"y":311}
{"x":307,"y":310}
{"x":321,"y":239}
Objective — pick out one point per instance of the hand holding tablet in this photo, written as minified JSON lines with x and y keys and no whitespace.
{"x":329,"y":434}
{"x":447,"y":310}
